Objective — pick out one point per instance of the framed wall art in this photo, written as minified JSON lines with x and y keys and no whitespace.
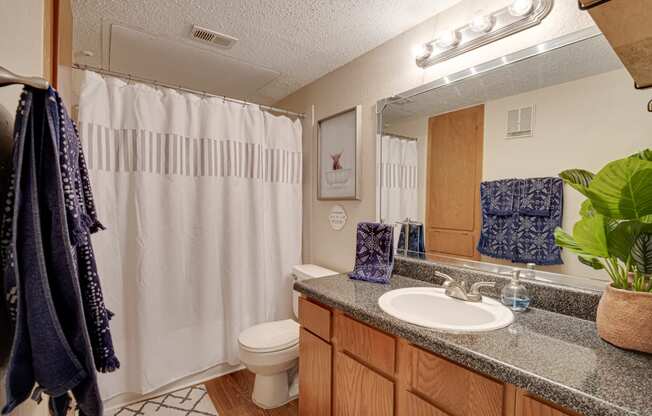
{"x":338,"y":155}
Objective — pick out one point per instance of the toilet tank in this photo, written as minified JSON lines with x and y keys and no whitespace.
{"x":305,"y":272}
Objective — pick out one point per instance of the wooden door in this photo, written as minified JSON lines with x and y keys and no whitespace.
{"x":314,"y":375}
{"x":360,"y":391}
{"x":453,"y":182}
{"x":57,"y":47}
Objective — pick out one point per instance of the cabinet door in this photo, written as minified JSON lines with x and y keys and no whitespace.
{"x":359,"y":391}
{"x":456,"y":390}
{"x":529,"y":406}
{"x":314,"y":375}
{"x":415,"y":406}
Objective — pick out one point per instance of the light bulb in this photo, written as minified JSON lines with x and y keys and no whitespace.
{"x":481,"y":23}
{"x":422,"y":51}
{"x":447,"y":39}
{"x":520,"y":8}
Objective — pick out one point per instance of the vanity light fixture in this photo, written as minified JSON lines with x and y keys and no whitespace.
{"x":481,"y":23}
{"x":447,"y":39}
{"x":520,"y":8}
{"x":483,"y":29}
{"x":422,"y":51}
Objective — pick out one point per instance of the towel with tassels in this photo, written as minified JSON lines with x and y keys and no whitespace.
{"x":61,"y":334}
{"x":82,"y":221}
{"x":374,"y":256}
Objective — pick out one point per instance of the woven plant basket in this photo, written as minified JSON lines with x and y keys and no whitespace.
{"x":624,"y":319}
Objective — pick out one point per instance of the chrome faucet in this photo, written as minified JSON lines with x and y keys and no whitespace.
{"x":457,"y":289}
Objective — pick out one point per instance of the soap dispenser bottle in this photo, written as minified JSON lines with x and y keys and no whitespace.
{"x":514,"y":294}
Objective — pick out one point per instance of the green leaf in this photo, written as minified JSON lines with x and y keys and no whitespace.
{"x":591,"y":236}
{"x":586,"y":209}
{"x":578,"y":179}
{"x":593,"y":262}
{"x":565,"y":240}
{"x":622,"y":238}
{"x":642,"y":253}
{"x":643,"y":155}
{"x":621,"y":190}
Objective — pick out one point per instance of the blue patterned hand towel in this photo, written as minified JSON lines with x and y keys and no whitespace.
{"x":374,"y":257}
{"x":498,"y":197}
{"x":534,"y":234}
{"x":536,"y":195}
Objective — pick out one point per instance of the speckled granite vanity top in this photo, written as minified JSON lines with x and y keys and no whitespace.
{"x":557,"y":357}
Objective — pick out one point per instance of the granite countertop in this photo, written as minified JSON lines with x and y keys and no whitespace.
{"x":557,"y":357}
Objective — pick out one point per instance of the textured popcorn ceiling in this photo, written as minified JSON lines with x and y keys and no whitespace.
{"x":301,"y":39}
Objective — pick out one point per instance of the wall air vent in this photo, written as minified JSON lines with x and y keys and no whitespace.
{"x":212,"y":37}
{"x":520,"y":123}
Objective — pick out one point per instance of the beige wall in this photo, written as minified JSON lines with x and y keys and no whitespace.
{"x":384,"y":71}
{"x":579,"y":124}
{"x":21,"y":51}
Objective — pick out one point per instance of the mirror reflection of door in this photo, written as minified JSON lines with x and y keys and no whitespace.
{"x":453,"y":182}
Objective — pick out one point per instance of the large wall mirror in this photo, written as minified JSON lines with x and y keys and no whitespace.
{"x":462,"y":157}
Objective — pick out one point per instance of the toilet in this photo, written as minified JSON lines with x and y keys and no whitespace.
{"x":271,"y":350}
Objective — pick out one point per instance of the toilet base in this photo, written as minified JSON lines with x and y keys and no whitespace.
{"x":272,"y":391}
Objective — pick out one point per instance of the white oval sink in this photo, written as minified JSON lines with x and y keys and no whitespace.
{"x":430,"y":307}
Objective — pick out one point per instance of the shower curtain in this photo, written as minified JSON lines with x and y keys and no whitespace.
{"x":398,"y":182}
{"x":201,"y":198}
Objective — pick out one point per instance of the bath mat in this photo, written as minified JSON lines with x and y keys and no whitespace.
{"x":191,"y":401}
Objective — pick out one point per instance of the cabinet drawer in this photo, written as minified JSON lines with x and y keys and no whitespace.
{"x":360,"y":391}
{"x":415,"y":406}
{"x":315,"y":318}
{"x":368,"y":344}
{"x":455,"y":389}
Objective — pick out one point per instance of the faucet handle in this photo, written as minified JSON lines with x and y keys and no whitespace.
{"x":474,"y":294}
{"x":447,"y":279}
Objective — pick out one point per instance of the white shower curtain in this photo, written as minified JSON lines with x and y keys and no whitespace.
{"x":202,"y":203}
{"x":398,"y":181}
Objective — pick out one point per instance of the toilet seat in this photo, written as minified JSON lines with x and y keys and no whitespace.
{"x":270,"y":336}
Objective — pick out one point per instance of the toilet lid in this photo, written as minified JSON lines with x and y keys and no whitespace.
{"x":270,"y":336}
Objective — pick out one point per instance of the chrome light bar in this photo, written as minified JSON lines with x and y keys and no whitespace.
{"x":484,"y":29}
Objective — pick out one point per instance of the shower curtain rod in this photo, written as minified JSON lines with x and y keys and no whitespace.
{"x":154,"y":82}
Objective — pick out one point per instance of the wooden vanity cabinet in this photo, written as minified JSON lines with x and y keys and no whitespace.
{"x":348,"y":368}
{"x":315,"y":363}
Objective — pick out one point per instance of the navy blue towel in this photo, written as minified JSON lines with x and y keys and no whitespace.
{"x":526,"y":234}
{"x":499,"y":197}
{"x":60,"y":325}
{"x":374,"y":256}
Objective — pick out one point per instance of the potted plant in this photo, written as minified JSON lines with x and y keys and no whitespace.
{"x":615,"y":234}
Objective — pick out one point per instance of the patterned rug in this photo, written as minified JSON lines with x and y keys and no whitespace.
{"x":191,"y":401}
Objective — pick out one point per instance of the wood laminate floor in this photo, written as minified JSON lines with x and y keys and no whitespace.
{"x":231,"y":395}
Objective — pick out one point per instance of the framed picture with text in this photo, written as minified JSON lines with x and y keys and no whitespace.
{"x":338,"y":155}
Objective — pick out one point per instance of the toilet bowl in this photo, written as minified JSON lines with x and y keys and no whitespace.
{"x":271,"y":350}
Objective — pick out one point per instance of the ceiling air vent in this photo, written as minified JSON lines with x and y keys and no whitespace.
{"x":212,"y":37}
{"x":520,"y":123}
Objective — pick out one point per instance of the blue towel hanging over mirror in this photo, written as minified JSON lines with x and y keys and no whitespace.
{"x":519,"y":217}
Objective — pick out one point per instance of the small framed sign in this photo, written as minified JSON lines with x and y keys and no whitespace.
{"x":338,"y":159}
